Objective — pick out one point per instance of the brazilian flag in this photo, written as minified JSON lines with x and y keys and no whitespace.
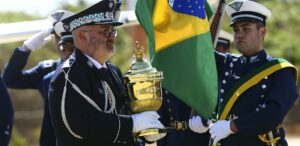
{"x":181,"y":46}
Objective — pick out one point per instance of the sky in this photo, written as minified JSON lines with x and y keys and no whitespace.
{"x":39,"y":7}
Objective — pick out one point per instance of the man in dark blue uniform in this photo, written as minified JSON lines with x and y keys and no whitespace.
{"x":17,"y":78}
{"x":87,"y":95}
{"x":256,"y":90}
{"x":6,"y":115}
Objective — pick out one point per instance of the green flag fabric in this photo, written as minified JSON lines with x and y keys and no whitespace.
{"x":180,"y":45}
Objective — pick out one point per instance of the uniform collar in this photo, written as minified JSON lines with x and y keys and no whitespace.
{"x":95,"y":63}
{"x":262,"y":55}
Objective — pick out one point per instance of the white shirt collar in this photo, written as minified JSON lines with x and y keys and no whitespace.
{"x":97,"y":64}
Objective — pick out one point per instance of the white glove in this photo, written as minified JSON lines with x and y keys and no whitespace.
{"x":40,"y":39}
{"x":220,"y":130}
{"x":145,"y":120}
{"x":196,"y":125}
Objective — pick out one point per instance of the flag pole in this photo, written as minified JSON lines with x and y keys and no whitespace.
{"x":217,"y":20}
{"x":214,"y":30}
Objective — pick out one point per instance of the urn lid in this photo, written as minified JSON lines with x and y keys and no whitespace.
{"x":140,"y":65}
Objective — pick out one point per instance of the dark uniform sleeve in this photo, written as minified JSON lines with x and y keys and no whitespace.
{"x":164,"y":117}
{"x":15,"y":77}
{"x":83,"y":118}
{"x":279,"y":100}
{"x":163,"y":111}
{"x":47,"y":136}
{"x":6,"y":115}
{"x":220,"y":62}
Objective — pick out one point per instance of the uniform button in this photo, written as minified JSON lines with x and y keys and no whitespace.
{"x":118,"y":141}
{"x":231,"y":65}
{"x":226,"y":73}
{"x":222,"y":90}
{"x":264,"y":86}
{"x":224,"y":81}
{"x":266,"y":77}
{"x":124,"y":142}
{"x":262,"y":96}
{"x":168,"y":101}
{"x":169,"y":109}
{"x":257,"y":109}
{"x":171,"y":118}
{"x":221,"y":100}
{"x":166,"y":92}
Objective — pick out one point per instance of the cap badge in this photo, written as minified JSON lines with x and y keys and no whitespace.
{"x":66,"y":27}
{"x":236,"y":6}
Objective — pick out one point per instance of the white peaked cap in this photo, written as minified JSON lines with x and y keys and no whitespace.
{"x":246,"y":10}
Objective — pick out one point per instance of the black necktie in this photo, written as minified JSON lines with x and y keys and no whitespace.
{"x":104,"y":74}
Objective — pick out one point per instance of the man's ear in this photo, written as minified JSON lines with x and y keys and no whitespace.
{"x":263,"y":31}
{"x":82,"y":36}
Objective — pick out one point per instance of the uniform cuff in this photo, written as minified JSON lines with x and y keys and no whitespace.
{"x":23,"y":49}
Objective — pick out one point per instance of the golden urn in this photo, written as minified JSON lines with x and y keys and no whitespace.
{"x":143,"y":83}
